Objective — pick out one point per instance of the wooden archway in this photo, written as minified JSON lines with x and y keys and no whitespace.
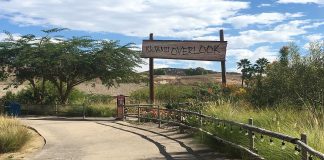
{"x":185,"y":50}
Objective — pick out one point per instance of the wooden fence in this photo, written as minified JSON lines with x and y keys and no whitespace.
{"x":178,"y":117}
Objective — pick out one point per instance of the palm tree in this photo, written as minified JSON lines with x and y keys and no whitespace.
{"x":260,"y":65}
{"x":244,"y":65}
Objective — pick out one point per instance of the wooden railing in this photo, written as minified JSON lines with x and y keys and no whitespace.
{"x":179,"y":118}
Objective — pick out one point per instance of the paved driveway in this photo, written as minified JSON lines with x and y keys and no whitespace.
{"x":78,"y":139}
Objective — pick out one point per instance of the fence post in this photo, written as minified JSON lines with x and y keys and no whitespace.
{"x":251,"y":138}
{"x":303,"y":138}
{"x":55,"y":108}
{"x":83,"y":110}
{"x":159,"y":116}
{"x":200,"y":124}
{"x":200,"y":119}
{"x":181,"y":119}
{"x":138,"y":114}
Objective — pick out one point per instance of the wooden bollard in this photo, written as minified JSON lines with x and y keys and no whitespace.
{"x":138,"y":114}
{"x":303,"y":138}
{"x":159,"y":116}
{"x":251,"y":138}
{"x":181,"y":120}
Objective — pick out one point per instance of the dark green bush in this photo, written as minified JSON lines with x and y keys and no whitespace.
{"x":208,"y":92}
{"x":294,"y":79}
{"x":165,"y":93}
{"x":27,"y":96}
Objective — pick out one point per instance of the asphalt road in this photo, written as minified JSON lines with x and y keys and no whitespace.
{"x":77,"y":139}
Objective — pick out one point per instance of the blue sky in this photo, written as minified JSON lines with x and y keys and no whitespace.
{"x":253,"y":29}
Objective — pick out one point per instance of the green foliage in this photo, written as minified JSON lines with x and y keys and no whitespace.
{"x":282,"y":118}
{"x":207,"y":92}
{"x":67,"y":62}
{"x":174,"y":94}
{"x":195,"y":71}
{"x":294,"y":79}
{"x":165,"y":93}
{"x":13,"y":134}
{"x":101,"y":110}
{"x":245,"y":66}
{"x":26,"y":96}
{"x":159,"y":71}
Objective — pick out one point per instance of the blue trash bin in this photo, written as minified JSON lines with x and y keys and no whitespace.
{"x":13,"y":109}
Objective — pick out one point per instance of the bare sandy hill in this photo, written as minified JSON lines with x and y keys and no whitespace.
{"x":95,"y":87}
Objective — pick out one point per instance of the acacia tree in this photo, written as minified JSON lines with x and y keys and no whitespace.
{"x":67,"y":62}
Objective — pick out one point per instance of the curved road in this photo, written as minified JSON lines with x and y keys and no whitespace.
{"x":77,"y":139}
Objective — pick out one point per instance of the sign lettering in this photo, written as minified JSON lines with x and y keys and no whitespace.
{"x":191,"y":50}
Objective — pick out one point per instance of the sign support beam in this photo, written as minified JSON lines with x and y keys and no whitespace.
{"x":151,"y":72}
{"x":221,"y":38}
{"x":189,"y":50}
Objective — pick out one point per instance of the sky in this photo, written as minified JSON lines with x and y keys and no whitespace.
{"x":253,"y":29}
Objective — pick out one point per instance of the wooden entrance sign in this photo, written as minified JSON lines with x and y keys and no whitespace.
{"x":189,"y":50}
{"x":186,"y":50}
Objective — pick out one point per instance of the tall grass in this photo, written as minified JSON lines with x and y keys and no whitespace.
{"x":283,"y":119}
{"x":12,"y":134}
{"x":91,"y":110}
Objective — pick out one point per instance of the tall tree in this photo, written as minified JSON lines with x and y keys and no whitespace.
{"x":260,"y":65}
{"x":245,"y":66}
{"x":67,"y":62}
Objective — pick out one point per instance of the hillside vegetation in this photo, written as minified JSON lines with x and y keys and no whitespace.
{"x":285,"y":96}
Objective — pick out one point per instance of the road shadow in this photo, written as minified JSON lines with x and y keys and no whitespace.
{"x":204,"y":154}
{"x":161,"y":148}
{"x":56,"y":118}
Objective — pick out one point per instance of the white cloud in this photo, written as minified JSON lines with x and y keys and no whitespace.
{"x":181,"y":18}
{"x":313,"y":25}
{"x":4,"y":36}
{"x":301,"y":1}
{"x":263,"y":18}
{"x":315,"y":37}
{"x":260,"y":52}
{"x":280,"y":33}
{"x":264,"y":5}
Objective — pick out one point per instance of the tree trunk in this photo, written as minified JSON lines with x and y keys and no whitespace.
{"x":36,"y":93}
{"x":42,"y":92}
{"x":65,"y":96}
{"x":242,"y":81}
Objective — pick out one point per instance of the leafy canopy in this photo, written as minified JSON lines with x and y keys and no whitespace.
{"x":66,"y":62}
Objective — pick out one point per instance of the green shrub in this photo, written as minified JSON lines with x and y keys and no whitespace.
{"x":207,"y":91}
{"x":159,"y":71}
{"x":101,"y":110}
{"x":26,"y":96}
{"x":165,"y":93}
{"x":296,"y":78}
{"x":282,"y":119}
{"x":13,"y":135}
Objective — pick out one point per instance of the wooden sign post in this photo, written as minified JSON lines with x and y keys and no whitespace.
{"x":187,"y":50}
{"x":151,"y":68}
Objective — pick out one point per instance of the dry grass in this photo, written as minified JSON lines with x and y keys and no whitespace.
{"x":13,"y":134}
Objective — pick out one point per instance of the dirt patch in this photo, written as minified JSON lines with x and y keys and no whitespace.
{"x":33,"y":145}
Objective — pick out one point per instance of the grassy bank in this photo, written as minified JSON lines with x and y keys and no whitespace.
{"x":283,"y":119}
{"x":13,"y":135}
